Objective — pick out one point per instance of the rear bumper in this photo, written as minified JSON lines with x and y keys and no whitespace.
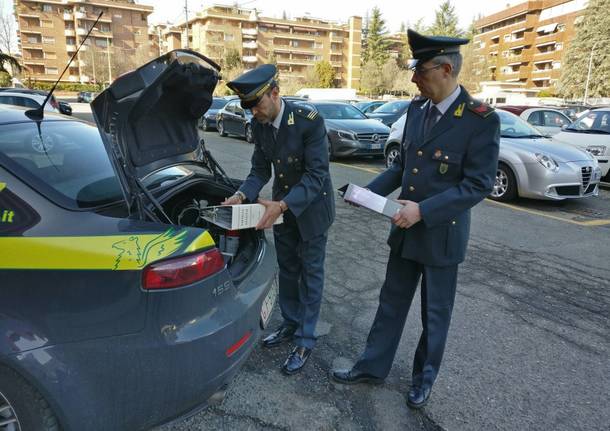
{"x":345,"y":148}
{"x":137,"y":381}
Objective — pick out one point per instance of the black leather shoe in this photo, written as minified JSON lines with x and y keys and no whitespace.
{"x":418,"y":396}
{"x":353,"y":377}
{"x":279,"y":336}
{"x":296,"y":360}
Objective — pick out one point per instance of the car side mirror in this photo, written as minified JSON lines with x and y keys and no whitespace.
{"x":565,"y":126}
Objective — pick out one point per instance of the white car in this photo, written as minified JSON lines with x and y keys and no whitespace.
{"x":32,"y":101}
{"x":591,"y":132}
{"x":548,"y":121}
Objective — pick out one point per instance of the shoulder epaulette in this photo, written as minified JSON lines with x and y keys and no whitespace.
{"x":307,"y":113}
{"x":480,"y":108}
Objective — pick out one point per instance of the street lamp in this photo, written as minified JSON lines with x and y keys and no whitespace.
{"x":584,"y":100}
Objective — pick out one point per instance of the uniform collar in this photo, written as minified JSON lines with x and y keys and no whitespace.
{"x":278,"y":120}
{"x":447,"y":102}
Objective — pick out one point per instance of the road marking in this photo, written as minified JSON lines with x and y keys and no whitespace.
{"x":599,"y":222}
{"x":373,"y":171}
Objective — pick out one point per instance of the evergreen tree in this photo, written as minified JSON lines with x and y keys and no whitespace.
{"x":376,"y":45}
{"x":325,"y":74}
{"x":232,"y":58}
{"x":445,"y":21}
{"x":590,"y":42}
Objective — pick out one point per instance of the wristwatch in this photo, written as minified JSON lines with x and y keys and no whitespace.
{"x":283,"y":206}
{"x":240,"y":195}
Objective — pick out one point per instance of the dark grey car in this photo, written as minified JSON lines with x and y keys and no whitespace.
{"x":234,"y":120}
{"x":350,"y":132}
{"x":120,"y":306}
{"x":208,"y":120}
{"x":389,"y":112}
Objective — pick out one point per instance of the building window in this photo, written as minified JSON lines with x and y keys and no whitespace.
{"x":117,"y":15}
{"x":48,"y":39}
{"x":51,"y":70}
{"x":561,"y":27}
{"x":558,"y":46}
{"x":47,"y":8}
{"x":229,"y":37}
{"x":143,"y":16}
{"x":50,"y":55}
{"x":295,"y":43}
{"x":506,"y":37}
{"x":504,"y":54}
{"x":557,"y":65}
{"x":70,"y":41}
{"x":102,"y":43}
{"x":317,"y":45}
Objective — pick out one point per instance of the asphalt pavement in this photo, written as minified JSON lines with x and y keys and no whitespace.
{"x":528,"y":344}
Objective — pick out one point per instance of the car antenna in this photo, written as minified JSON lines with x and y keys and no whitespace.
{"x":38,"y":113}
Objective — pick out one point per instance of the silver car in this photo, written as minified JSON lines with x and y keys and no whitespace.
{"x":530,"y":165}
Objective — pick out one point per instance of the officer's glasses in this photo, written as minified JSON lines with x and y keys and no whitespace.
{"x":423,"y":70}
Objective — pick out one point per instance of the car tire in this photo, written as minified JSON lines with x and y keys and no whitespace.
{"x":391,"y":153}
{"x":220,"y":126}
{"x":25,"y":404}
{"x":248,"y":134}
{"x":505,"y":187}
{"x":331,"y":155}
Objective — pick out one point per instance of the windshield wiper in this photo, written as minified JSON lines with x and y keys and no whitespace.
{"x":523,"y":136}
{"x":591,"y":131}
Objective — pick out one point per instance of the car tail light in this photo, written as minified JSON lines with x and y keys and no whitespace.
{"x":183,"y":270}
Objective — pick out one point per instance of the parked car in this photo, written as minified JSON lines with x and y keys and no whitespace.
{"x":548,"y":120}
{"x":120,"y":307}
{"x":32,"y":101}
{"x":530,"y":164}
{"x":232,"y":119}
{"x":350,"y":132}
{"x":208,"y":120}
{"x":369,"y":105}
{"x":591,"y":132}
{"x":86,"y":96}
{"x":61,"y":106}
{"x":389,"y":112}
{"x":574,"y":111}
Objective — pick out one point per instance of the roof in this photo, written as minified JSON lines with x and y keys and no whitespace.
{"x":16,"y":114}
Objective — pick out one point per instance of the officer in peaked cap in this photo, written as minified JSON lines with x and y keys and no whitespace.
{"x":447,"y":164}
{"x":292,"y":140}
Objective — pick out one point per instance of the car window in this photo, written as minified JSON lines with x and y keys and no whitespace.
{"x":392,"y":107}
{"x":28,"y":103}
{"x":8,"y":100}
{"x":554,"y":119}
{"x":593,"y":121}
{"x":512,"y":126}
{"x":218,"y":103}
{"x":535,"y":118}
{"x":340,"y":112}
{"x":67,"y":162}
{"x":238,"y":109}
{"x":230,"y":107}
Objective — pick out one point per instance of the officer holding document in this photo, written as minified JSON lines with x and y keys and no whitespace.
{"x":447,"y":164}
{"x":291,"y":139}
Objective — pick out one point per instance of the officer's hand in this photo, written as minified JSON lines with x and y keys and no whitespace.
{"x":231,"y":200}
{"x":272,"y":212}
{"x":408,"y":215}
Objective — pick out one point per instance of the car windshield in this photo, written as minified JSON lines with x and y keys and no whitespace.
{"x":512,"y":126}
{"x":592,"y":122}
{"x":218,"y":103}
{"x":67,"y":162}
{"x":339,"y":112}
{"x":392,"y":107}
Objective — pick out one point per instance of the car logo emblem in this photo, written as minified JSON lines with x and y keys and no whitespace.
{"x":375,"y":138}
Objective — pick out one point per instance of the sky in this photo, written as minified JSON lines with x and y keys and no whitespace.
{"x":393,"y":11}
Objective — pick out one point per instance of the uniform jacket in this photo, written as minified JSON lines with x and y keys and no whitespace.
{"x":299,"y":157}
{"x":447,"y":173}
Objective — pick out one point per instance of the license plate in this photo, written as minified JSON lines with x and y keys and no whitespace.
{"x":268,"y":304}
{"x":375,"y":146}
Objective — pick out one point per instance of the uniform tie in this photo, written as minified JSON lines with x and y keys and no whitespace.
{"x":431,"y":119}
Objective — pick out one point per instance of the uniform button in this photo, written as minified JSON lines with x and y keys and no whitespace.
{"x":446,"y":157}
{"x":415,"y":170}
{"x":411,"y":188}
{"x":281,"y":175}
{"x":453,"y":222}
{"x":324,"y":193}
{"x":278,"y":160}
{"x":286,"y":187}
{"x":420,"y":153}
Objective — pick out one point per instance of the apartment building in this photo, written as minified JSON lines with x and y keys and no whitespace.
{"x":49,"y":32}
{"x":526,"y":42}
{"x":294,"y":44}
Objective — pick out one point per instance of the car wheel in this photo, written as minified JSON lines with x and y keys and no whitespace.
{"x":249,"y":135}
{"x":204,"y":125}
{"x":220,"y":126}
{"x":23,"y":408}
{"x":505,"y":187}
{"x":331,"y":155}
{"x":391,"y":154}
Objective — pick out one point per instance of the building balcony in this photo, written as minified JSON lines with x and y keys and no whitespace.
{"x":34,"y":62}
{"x":81,"y":31}
{"x":68,"y":17}
{"x":70,"y":48}
{"x":69,"y":33}
{"x":250,"y":45}
{"x":298,"y":62}
{"x":25,"y":44}
{"x":249,"y":31}
{"x":31,"y":30}
{"x":336,"y":39}
{"x":80,"y":15}
{"x":249,"y":58}
{"x":292,"y":36}
{"x":547,"y":71}
{"x":336,"y":64}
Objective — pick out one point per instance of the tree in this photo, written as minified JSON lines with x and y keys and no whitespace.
{"x":588,"y":42}
{"x":7,"y":31}
{"x":445,"y":21}
{"x":475,"y":67}
{"x":376,"y":45}
{"x":8,"y":60}
{"x":325,"y":74}
{"x":370,"y":78}
{"x":232,"y":58}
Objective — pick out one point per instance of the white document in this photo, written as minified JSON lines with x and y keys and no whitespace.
{"x":235,"y":217}
{"x":367,"y":199}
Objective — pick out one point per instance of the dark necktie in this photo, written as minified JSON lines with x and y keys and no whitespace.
{"x":431,"y":118}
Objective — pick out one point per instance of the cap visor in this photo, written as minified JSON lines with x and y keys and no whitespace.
{"x":250,"y":103}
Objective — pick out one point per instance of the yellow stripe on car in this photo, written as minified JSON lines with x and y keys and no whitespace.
{"x":112,"y":252}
